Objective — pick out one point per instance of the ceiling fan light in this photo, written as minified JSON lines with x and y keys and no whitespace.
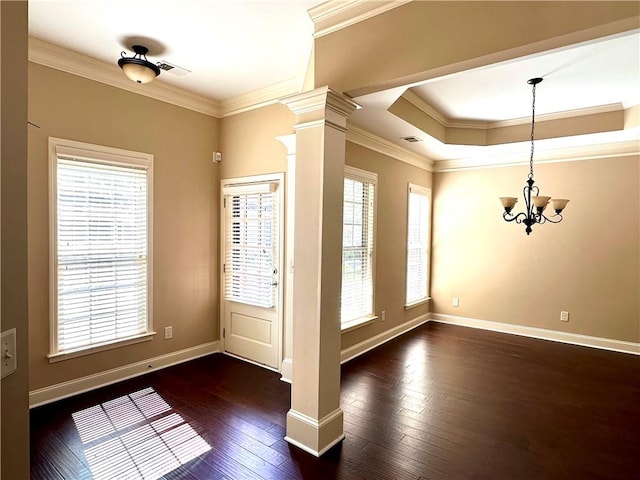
{"x":138,"y":73}
{"x":138,"y":68}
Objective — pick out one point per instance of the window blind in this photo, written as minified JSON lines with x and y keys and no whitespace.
{"x":251,"y":237}
{"x":357,"y":250}
{"x":102,"y":241}
{"x":417,"y":245}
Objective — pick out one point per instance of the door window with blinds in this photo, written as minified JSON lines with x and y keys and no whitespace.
{"x":358,"y":234}
{"x":419,"y":207}
{"x":101,"y":256}
{"x":251,"y":230}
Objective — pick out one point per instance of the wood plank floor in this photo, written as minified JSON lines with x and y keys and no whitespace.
{"x":441,"y":402}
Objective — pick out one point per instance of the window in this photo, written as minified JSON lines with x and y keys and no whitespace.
{"x":358,"y":246}
{"x":419,"y":201}
{"x":251,"y":243}
{"x":101,"y":247}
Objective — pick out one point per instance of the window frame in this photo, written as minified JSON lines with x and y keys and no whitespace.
{"x":426,"y":192}
{"x":367,"y":177}
{"x":100,"y":155}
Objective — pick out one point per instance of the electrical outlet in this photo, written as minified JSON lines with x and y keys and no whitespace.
{"x":168,"y":333}
{"x":564,"y":316}
{"x":383,"y":315}
{"x":455,"y":302}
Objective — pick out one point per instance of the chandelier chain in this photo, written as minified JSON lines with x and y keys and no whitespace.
{"x":533,"y":123}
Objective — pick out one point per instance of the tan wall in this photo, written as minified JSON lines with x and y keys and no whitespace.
{"x":185,"y":207}
{"x":13,"y":154}
{"x":248,"y":142}
{"x":588,"y":265}
{"x":424,"y":39}
{"x":391,"y":238}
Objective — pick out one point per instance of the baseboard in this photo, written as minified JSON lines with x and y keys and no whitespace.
{"x":542,"y":333}
{"x":373,"y":342}
{"x":59,"y":391}
{"x":286,"y":370}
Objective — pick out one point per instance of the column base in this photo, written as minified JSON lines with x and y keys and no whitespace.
{"x":314,"y":436}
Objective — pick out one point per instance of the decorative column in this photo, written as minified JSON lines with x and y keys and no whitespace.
{"x":315,"y":420}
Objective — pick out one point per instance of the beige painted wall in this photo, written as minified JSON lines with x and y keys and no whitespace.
{"x":185,"y":240}
{"x":588,"y":265}
{"x":13,"y":154}
{"x":248,"y":141}
{"x":424,"y":39}
{"x":391,"y":238}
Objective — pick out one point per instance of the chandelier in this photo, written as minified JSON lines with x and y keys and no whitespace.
{"x":535,"y":204}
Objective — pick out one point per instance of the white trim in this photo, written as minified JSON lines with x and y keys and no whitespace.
{"x":357,"y":323}
{"x":62,"y":390}
{"x":59,"y":357}
{"x":315,"y":426}
{"x":541,"y":333}
{"x":369,"y":344}
{"x":628,"y":148}
{"x":259,"y":98}
{"x":361,"y":175}
{"x":373,"y":142}
{"x":334,"y":15}
{"x":286,"y":370}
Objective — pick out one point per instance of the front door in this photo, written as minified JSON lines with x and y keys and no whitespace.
{"x":251,"y":257}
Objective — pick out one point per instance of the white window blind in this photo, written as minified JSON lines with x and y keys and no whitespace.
{"x":357,"y":244}
{"x":418,"y":244}
{"x":101,"y":252}
{"x":251,"y":236}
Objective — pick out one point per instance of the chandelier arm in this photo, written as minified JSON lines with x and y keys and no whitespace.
{"x":519,"y":218}
{"x":556,"y":218}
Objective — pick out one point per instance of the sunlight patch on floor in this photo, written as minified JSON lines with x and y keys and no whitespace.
{"x":136,"y":436}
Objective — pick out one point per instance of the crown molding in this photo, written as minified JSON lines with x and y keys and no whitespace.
{"x":68,"y":61}
{"x":373,"y":142}
{"x":335,"y":15}
{"x":570,"y":154}
{"x":259,"y":98}
{"x":447,"y":122}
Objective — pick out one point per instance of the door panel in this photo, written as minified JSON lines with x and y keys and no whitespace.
{"x":251,"y":306}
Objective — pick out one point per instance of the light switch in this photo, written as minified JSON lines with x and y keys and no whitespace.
{"x":8,"y":352}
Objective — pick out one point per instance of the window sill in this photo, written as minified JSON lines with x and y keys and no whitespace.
{"x":417,"y":303}
{"x":358,"y":323}
{"x":58,"y":357}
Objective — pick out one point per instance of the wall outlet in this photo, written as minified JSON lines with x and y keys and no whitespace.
{"x":168,"y":333}
{"x":455,"y":302}
{"x":383,"y":315}
{"x":564,"y":316}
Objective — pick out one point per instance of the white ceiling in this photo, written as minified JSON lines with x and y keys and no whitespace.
{"x":233,"y":47}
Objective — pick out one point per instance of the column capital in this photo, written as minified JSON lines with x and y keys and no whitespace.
{"x":318,"y":100}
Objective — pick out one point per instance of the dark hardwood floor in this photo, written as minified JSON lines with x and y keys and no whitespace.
{"x":441,"y":402}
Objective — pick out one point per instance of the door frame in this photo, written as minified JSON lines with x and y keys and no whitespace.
{"x":279,"y":178}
